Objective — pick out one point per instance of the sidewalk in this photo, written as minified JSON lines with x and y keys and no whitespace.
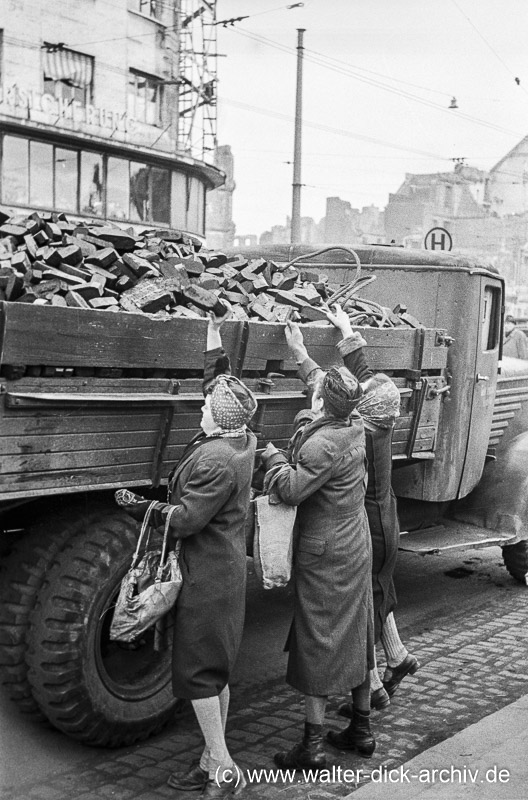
{"x":488,"y":760}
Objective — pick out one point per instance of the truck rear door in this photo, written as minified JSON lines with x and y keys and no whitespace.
{"x":484,"y":381}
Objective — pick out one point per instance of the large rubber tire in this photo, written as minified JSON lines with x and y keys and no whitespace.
{"x":87,"y":686}
{"x":21,"y":579}
{"x":516,"y":560}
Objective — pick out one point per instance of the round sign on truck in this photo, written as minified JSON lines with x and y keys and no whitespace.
{"x":438,"y":239}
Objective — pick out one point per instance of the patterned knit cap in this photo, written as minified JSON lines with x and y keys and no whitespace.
{"x":232,"y":403}
{"x":340,"y":391}
{"x":380,"y":404}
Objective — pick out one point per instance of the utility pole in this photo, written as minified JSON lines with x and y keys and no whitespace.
{"x":296,"y":185}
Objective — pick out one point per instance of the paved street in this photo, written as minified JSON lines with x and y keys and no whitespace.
{"x":461,"y":614}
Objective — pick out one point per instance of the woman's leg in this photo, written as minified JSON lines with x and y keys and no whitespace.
{"x":395,"y":650}
{"x":315,"y":707}
{"x":309,"y":752}
{"x":375,"y":680}
{"x":211,"y":713}
{"x":358,"y":735}
{"x":209,"y":716}
{"x":399,"y":662}
{"x":223,"y":698}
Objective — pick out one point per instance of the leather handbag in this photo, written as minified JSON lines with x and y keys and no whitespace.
{"x":149,"y":589}
{"x":273,"y":537}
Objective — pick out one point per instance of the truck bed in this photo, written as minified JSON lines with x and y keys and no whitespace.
{"x":110,"y":399}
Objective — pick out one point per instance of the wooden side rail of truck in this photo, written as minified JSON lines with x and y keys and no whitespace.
{"x":92,"y":401}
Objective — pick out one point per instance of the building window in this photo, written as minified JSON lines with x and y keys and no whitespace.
{"x":117,"y":188}
{"x":139,"y":192}
{"x":66,"y":179}
{"x":41,"y":175}
{"x":91,"y":188}
{"x":178,"y":200}
{"x":68,"y":75}
{"x":160,"y":199}
{"x":149,"y":193}
{"x":144,"y":98}
{"x":195,"y":204}
{"x":15,"y":170}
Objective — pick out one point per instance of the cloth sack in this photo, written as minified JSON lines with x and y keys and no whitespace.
{"x":273,"y":538}
{"x":149,"y":589}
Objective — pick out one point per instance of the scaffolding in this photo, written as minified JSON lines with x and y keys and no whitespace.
{"x":197,"y":79}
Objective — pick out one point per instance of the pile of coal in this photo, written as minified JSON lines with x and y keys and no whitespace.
{"x":45,"y":259}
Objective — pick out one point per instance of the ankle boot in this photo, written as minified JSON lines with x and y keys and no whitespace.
{"x":309,"y":752}
{"x":356,"y":737}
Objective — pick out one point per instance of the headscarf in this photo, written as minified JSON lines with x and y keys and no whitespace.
{"x":232,"y":403}
{"x":380,"y":404}
{"x":340,"y":391}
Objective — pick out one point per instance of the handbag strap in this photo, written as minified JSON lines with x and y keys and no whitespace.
{"x":161,"y":567}
{"x":143,"y":531}
{"x":279,"y":471}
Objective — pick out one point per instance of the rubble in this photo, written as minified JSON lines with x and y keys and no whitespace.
{"x":46,"y":260}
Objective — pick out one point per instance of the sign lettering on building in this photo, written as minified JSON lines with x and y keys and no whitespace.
{"x":47,"y":109}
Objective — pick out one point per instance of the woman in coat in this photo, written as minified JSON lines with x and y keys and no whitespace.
{"x":331,"y":638}
{"x":209,"y":494}
{"x":379,"y":407}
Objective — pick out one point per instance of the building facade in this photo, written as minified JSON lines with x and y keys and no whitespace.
{"x":347,"y":225}
{"x":220,"y":231}
{"x":96,"y":110}
{"x":426,"y":201}
{"x":485,"y":213}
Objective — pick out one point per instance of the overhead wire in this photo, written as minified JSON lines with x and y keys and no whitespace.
{"x":329,"y":129}
{"x":347,"y":71}
{"x":488,"y":45}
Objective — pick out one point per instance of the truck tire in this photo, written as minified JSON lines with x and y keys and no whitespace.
{"x":90,"y":688}
{"x":516,"y":560}
{"x":22,"y":577}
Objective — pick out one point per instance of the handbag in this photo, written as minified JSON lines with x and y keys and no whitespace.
{"x":273,"y":538}
{"x":150,"y":588}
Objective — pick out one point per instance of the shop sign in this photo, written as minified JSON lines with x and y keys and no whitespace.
{"x":47,"y":109}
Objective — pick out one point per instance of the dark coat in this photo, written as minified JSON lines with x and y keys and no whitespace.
{"x":331,"y":639}
{"x":210,"y":489}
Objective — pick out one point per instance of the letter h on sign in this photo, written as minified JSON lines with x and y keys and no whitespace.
{"x":438,"y":239}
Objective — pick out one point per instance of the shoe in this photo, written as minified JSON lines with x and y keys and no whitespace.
{"x":378,"y":699}
{"x":356,"y":737}
{"x":308,"y":753}
{"x":217,"y":790}
{"x":192,"y":780}
{"x":408,"y":666}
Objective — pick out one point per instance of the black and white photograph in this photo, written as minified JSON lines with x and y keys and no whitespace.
{"x":263,"y":399}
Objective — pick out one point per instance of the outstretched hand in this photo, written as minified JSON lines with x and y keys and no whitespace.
{"x":295,"y":340}
{"x":340,"y":319}
{"x":215,"y":321}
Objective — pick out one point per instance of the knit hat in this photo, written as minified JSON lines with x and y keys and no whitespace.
{"x":232,"y":403}
{"x":340,"y":391}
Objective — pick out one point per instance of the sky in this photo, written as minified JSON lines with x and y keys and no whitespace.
{"x":378,"y":79}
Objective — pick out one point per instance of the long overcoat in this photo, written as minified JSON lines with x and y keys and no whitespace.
{"x":331,"y":639}
{"x":211,"y":491}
